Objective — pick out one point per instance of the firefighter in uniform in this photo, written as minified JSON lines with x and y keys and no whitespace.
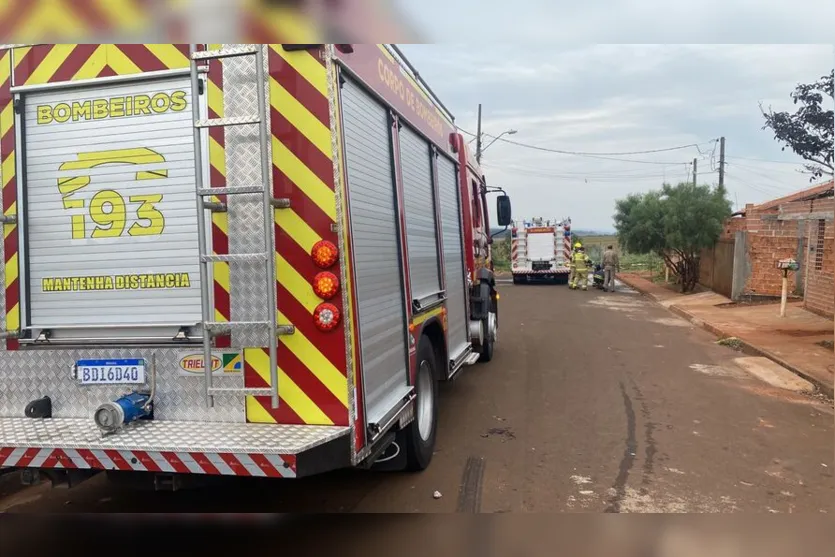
{"x":581,"y":269}
{"x":571,"y":266}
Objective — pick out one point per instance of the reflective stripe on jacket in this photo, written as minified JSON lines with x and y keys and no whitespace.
{"x":581,"y":260}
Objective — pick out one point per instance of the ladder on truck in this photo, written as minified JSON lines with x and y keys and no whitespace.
{"x":211,"y":328}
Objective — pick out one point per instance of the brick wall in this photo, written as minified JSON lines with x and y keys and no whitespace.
{"x":769,"y":240}
{"x":773,"y":232}
{"x":732,"y":226}
{"x":820,"y":284}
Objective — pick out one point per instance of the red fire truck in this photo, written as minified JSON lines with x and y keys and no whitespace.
{"x":247,"y":260}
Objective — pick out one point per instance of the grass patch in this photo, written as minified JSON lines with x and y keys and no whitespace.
{"x":731,"y":342}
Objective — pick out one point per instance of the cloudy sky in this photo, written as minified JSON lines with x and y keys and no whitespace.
{"x":618,"y":98}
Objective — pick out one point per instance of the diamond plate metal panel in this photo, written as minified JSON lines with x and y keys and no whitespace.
{"x":246,"y":225}
{"x":29,"y":374}
{"x":156,"y":435}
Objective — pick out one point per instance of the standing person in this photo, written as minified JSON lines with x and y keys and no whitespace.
{"x":581,"y":269}
{"x":611,"y":265}
{"x":571,"y":266}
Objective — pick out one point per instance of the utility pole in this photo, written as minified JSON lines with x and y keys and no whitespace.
{"x":478,"y":137}
{"x":695,"y":161}
{"x":721,"y":161}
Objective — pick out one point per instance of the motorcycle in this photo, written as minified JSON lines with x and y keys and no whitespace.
{"x":598,"y":277}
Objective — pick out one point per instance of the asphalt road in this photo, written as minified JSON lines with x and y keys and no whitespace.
{"x":595,"y":402}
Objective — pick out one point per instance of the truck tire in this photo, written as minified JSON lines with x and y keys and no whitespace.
{"x":421,"y":433}
{"x":486,"y":349}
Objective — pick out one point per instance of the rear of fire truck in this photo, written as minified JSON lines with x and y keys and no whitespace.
{"x":249,"y":260}
{"x":540,"y":250}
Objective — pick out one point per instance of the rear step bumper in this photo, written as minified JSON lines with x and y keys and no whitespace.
{"x":557,"y":271}
{"x":226,"y":449}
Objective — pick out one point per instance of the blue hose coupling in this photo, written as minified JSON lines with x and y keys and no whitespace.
{"x":111,"y":416}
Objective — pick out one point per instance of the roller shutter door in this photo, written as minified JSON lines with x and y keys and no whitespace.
{"x":453,"y":257}
{"x":374,"y":227}
{"x":110,"y":216}
{"x":421,"y":229}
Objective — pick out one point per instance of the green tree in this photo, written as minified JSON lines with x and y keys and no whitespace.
{"x":676,"y":223}
{"x":809,"y":131}
{"x":501,"y":254}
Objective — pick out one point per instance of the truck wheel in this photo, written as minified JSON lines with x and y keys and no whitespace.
{"x":491,"y":324}
{"x":421,"y":433}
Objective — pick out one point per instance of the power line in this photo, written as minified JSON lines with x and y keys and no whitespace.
{"x":605,"y":156}
{"x":766,"y":160}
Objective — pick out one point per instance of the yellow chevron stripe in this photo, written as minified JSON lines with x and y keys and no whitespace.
{"x":219,"y":317}
{"x":217,"y":155}
{"x":119,"y":61}
{"x":307,"y":66}
{"x":289,"y":221}
{"x":13,"y":318}
{"x":124,"y":14}
{"x":8,"y":228}
{"x":7,"y":169}
{"x":51,"y":63}
{"x":5,"y":65}
{"x":301,"y":118}
{"x":290,"y":393}
{"x":304,"y":178}
{"x":222,"y":222}
{"x":216,"y":99}
{"x":223,"y":276}
{"x":256,"y":413}
{"x":296,"y":284}
{"x":302,"y":405}
{"x":19,"y":54}
{"x":12,"y":209}
{"x":169,"y":55}
{"x":6,"y":118}
{"x":11,"y":270}
{"x":316,"y":362}
{"x":94,"y":64}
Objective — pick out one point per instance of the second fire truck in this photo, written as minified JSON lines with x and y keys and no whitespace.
{"x":540,"y":250}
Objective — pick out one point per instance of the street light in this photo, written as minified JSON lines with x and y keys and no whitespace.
{"x":480,"y":151}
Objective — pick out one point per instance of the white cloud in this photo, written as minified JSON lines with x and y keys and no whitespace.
{"x":621,"y":98}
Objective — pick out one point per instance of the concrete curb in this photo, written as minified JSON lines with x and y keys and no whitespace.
{"x":746,"y":347}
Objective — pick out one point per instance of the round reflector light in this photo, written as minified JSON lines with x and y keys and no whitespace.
{"x":326,"y":285}
{"x":326,"y":317}
{"x":324,"y":254}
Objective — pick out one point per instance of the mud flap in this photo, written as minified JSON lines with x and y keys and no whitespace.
{"x":392,"y":457}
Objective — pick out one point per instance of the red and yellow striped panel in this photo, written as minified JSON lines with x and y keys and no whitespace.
{"x":72,"y":62}
{"x":313,"y":384}
{"x":217,"y":179}
{"x":8,"y":181}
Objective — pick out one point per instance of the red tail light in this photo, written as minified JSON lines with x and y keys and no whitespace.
{"x":326,"y":317}
{"x":326,"y":285}
{"x":324,"y":254}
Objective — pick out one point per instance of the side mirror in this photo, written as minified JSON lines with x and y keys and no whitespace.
{"x":503,"y":211}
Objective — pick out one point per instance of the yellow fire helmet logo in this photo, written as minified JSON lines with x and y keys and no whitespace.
{"x":193,"y":363}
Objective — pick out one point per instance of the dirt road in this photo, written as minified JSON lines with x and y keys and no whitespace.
{"x":594,"y":402}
